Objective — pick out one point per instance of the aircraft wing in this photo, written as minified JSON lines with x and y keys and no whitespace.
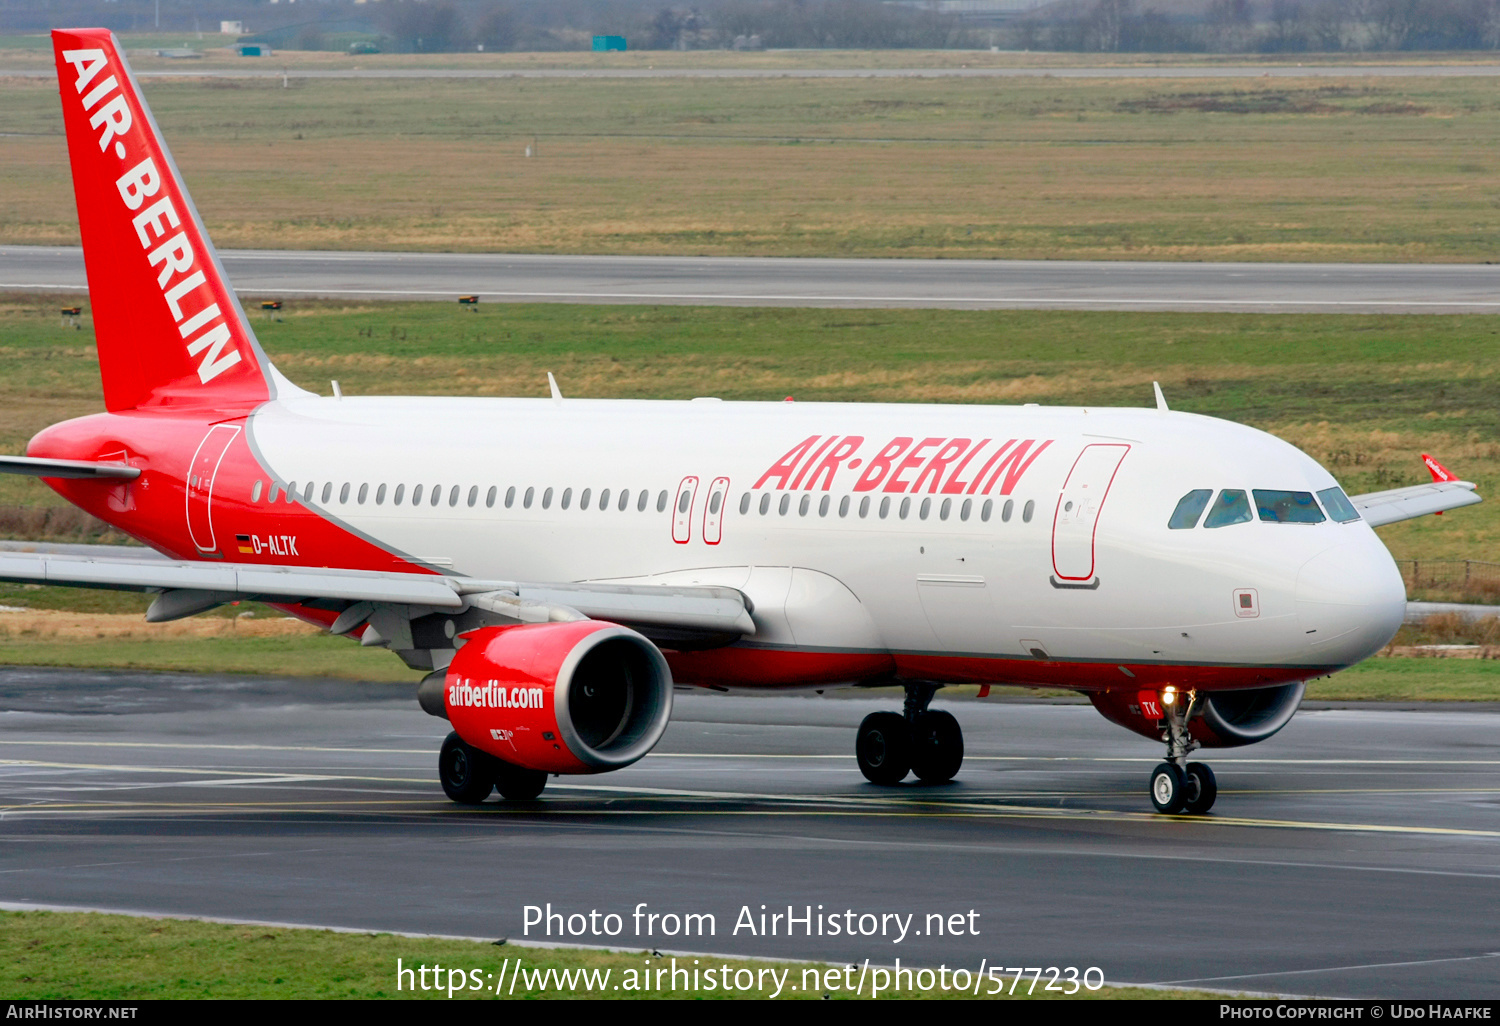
{"x":1387,"y":507}
{"x":191,"y":587}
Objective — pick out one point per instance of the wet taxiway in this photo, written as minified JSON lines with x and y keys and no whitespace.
{"x":1355,"y":854}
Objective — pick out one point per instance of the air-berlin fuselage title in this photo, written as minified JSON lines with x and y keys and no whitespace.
{"x":179,"y":276}
{"x":939,"y":465}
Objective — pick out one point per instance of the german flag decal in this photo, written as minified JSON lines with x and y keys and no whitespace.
{"x":244,"y":541}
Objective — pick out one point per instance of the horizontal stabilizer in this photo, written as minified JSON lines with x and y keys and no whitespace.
{"x":1388,"y":507}
{"x":33,"y":467}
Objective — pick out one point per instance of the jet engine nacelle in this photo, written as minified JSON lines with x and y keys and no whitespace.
{"x":1223,"y":719}
{"x":578,"y":697}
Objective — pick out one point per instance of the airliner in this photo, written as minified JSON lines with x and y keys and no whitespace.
{"x":558,"y":566}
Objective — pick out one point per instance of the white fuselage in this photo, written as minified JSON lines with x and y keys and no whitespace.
{"x":1017,"y":574}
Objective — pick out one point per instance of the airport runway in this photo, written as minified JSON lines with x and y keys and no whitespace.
{"x":764,"y":281}
{"x":269,"y":69}
{"x":1353,"y":855}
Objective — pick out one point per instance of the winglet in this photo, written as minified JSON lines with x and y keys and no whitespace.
{"x":552,"y":384}
{"x":1161,"y":400}
{"x":1437,"y":470}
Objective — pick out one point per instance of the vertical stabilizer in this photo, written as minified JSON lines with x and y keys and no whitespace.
{"x":170,"y":330}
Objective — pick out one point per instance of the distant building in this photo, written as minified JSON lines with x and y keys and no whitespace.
{"x":609,"y":43}
{"x":231,"y":28}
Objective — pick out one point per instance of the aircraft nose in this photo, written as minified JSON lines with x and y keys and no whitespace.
{"x":1350,"y":601}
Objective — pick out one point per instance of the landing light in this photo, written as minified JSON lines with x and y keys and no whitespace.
{"x":1168,"y":695}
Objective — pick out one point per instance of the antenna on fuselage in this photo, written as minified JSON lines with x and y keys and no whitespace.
{"x":552,"y":384}
{"x":1161,"y":400}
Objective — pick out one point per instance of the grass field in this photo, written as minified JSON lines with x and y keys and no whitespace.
{"x":88,"y":956}
{"x":1357,"y":169}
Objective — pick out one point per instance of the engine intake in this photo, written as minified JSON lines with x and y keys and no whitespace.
{"x":1224,"y":719}
{"x":579,"y":697}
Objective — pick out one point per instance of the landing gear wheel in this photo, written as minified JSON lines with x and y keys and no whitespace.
{"x":937,"y":749}
{"x":1201,"y":789}
{"x":518,"y":784}
{"x":467,"y":774}
{"x":1168,"y":789}
{"x":883,"y":748}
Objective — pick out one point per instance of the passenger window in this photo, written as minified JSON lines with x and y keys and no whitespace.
{"x":744,"y":504}
{"x":1027,"y":510}
{"x":661,"y":501}
{"x":965,"y":509}
{"x":765,"y":503}
{"x":510,"y":496}
{"x":987,"y":509}
{"x":624,"y":499}
{"x":453,"y":495}
{"x":1006,"y":511}
{"x":844,"y":506}
{"x":905,"y":507}
{"x":567,"y":499}
{"x":885,"y":507}
{"x":275,"y":492}
{"x":255,"y":492}
{"x":291,"y":492}
{"x":547,"y":499}
{"x":398,"y":495}
{"x":307,"y":491}
{"x":715,"y":501}
{"x":926,"y":508}
{"x":380,"y":496}
{"x":489,"y":499}
{"x":1338,"y":505}
{"x":1278,"y":507}
{"x":604,"y":500}
{"x":640,"y":504}
{"x":473,"y":494}
{"x":684,"y":500}
{"x":1231,"y":507}
{"x":437,"y":495}
{"x":786,"y":504}
{"x":802,"y":506}
{"x":416,"y":495}
{"x":364,"y":493}
{"x":344,"y":493}
{"x":864,"y":507}
{"x":947,"y":507}
{"x":823,"y":505}
{"x":1189,"y":509}
{"x":526,"y":502}
{"x":327,"y":492}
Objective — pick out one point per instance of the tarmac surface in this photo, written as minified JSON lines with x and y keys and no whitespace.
{"x":269,"y":69}
{"x":772,"y":281}
{"x":1355,"y":854}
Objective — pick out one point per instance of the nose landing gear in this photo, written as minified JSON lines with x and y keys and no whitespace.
{"x":1179,"y":786}
{"x":926,"y":742}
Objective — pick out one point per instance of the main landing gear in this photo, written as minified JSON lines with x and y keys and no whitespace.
{"x":469,"y":775}
{"x":1179,"y":786}
{"x":917,"y":740}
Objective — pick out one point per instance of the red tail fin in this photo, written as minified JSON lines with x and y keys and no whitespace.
{"x":169,"y":328}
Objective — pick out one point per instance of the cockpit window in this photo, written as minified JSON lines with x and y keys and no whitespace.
{"x":1189,"y":509}
{"x":1338,"y":505}
{"x":1288,"y":507}
{"x":1231,"y":507}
